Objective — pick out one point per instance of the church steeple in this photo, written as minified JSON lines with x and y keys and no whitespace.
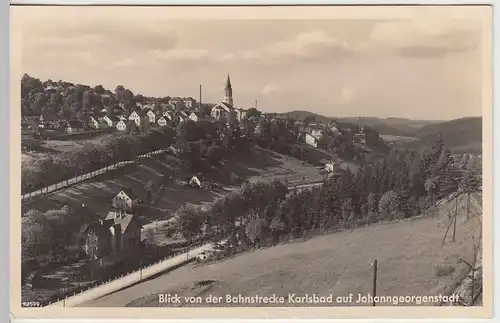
{"x":228,"y":83}
{"x":228,"y":96}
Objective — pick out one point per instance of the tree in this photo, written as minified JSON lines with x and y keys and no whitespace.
{"x":308,"y":119}
{"x":149,"y":189}
{"x":36,"y":237}
{"x":390,"y":203}
{"x":190,"y":221}
{"x":253,"y":112}
{"x":99,"y":89}
{"x":256,"y":231}
{"x":432,"y":188}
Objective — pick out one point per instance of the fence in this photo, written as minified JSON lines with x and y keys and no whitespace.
{"x":138,"y":270}
{"x":78,"y":179}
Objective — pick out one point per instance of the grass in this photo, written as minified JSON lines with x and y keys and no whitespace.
{"x":407,"y":252}
{"x":97,"y":193}
{"x":51,"y":148}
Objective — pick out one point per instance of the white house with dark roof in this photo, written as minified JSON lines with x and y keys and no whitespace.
{"x":97,"y":123}
{"x":121,"y":125}
{"x":189,"y":102}
{"x":162,"y":121}
{"x":241,"y":114}
{"x":134,"y":116}
{"x":74,"y":126}
{"x":194,"y":116}
{"x":151,"y":115}
{"x":115,"y":236}
{"x":311,"y":140}
{"x":125,"y":200}
{"x":167,"y":115}
{"x":111,"y":120}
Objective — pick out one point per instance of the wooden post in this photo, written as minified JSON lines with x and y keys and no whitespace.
{"x":455,"y":218}
{"x":448,"y":229}
{"x":375,"y":265}
{"x":468,"y":205}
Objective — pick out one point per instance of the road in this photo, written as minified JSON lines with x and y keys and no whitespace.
{"x":78,"y":179}
{"x":130,"y":279}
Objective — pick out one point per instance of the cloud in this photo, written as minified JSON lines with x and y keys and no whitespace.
{"x":316,"y":45}
{"x":421,"y":36}
{"x":182,"y":54}
{"x":347,"y":94}
{"x":271,"y":89}
{"x":426,"y":37}
{"x":106,"y":34}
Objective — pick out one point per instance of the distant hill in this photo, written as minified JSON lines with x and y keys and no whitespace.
{"x":460,"y":135}
{"x":393,"y":126}
{"x":389,"y":126}
{"x":302,"y":115}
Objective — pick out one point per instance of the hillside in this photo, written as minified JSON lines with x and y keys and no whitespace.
{"x":302,"y":115}
{"x":460,"y":135}
{"x":384,"y":126}
{"x":409,"y":253}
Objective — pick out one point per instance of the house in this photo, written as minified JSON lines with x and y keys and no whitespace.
{"x":96,"y":123}
{"x":125,"y":200}
{"x":175,"y":101}
{"x":315,"y":131}
{"x":195,"y":116}
{"x":151,"y":115}
{"x":223,"y":111}
{"x":189,"y":102}
{"x":111,"y":120}
{"x":162,"y":121}
{"x":51,"y":122}
{"x":311,"y":140}
{"x":116,"y":235}
{"x":241,"y":114}
{"x":136,"y":117}
{"x":339,"y":166}
{"x":167,"y":115}
{"x":74,"y":126}
{"x":359,"y":138}
{"x":121,"y":125}
{"x":183,"y":114}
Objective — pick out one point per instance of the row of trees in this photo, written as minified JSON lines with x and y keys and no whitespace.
{"x":49,"y":233}
{"x":402,"y":185}
{"x":75,"y":100}
{"x":107,"y":151}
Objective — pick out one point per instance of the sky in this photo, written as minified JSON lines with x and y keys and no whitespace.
{"x":421,"y":64}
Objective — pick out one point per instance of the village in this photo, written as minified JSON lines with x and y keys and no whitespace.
{"x":126,"y":236}
{"x":118,"y":239}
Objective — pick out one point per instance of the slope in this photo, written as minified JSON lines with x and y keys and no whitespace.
{"x":460,"y":135}
{"x":409,"y":254}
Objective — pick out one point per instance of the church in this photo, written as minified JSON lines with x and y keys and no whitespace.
{"x":226,"y":110}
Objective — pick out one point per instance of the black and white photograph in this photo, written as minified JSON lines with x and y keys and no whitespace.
{"x":226,"y":157}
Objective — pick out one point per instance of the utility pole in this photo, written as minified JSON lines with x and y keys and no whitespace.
{"x":375,"y":267}
{"x":200,"y":104}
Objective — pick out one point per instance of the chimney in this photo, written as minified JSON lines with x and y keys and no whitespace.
{"x":255,"y":104}
{"x":200,"y":105}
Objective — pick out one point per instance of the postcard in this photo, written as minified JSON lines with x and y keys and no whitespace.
{"x":251,"y":162}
